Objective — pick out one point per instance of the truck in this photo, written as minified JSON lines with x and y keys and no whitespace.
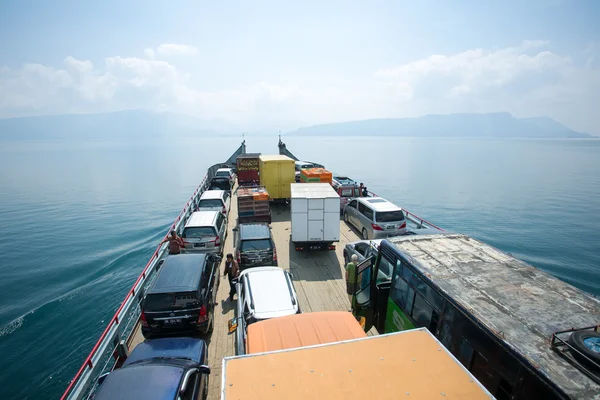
{"x":276,"y":173}
{"x":409,"y":364}
{"x":315,"y":216}
{"x":247,"y":169}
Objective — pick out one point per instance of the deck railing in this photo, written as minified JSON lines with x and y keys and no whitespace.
{"x":104,"y":353}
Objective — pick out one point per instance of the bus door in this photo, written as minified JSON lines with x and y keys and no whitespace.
{"x":363,"y":302}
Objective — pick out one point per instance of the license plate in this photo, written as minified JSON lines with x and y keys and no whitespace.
{"x":172,"y":321}
{"x":390,"y":227}
{"x":199,"y":244}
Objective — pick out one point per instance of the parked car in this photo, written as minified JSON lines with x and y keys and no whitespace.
{"x":375,"y":217}
{"x":221,"y":183}
{"x":226,"y":173}
{"x":205,"y":231}
{"x":263,"y":293}
{"x":254,"y":245}
{"x":346,"y":188}
{"x":215,"y":200}
{"x":182,"y":298}
{"x":180,"y":363}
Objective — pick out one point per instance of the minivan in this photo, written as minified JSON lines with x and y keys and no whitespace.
{"x":205,"y":231}
{"x":214,"y":200}
{"x":226,"y":173}
{"x":375,"y":217}
{"x":254,"y":245}
{"x":221,"y":183}
{"x":183,"y":296}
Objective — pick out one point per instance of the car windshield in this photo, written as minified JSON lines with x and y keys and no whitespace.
{"x":170,"y":301}
{"x":390,"y":216}
{"x":256,"y":244}
{"x":210,"y":203}
{"x":198,"y":232}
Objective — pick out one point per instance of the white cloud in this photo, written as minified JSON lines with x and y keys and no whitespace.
{"x":176,"y":50}
{"x":528,"y":79}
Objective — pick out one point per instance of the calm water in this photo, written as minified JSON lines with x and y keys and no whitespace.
{"x":79,"y":222}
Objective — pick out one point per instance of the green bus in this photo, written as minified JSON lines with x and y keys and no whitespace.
{"x":494,"y":313}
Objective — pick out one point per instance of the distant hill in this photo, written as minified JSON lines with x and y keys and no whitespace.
{"x":494,"y":125}
{"x":128,"y":125}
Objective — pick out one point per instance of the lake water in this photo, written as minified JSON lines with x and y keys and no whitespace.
{"x":78,"y":222}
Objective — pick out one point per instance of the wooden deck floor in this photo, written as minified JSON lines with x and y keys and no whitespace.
{"x":318,"y":279}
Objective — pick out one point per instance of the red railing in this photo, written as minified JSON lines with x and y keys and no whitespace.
{"x":115,"y":319}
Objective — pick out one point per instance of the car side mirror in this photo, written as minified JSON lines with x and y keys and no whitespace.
{"x":204,"y":369}
{"x":232,"y":325}
{"x":235,"y":229}
{"x":102,"y":377}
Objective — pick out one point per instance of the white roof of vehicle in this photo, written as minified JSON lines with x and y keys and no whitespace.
{"x":379,"y":204}
{"x":272,"y":294}
{"x":224,"y":169}
{"x":313,"y":191}
{"x":212,"y":194}
{"x":202,"y":218}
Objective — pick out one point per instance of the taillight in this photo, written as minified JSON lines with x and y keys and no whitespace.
{"x":239,"y":257}
{"x":274,"y":254}
{"x":224,"y":210}
{"x":202,"y":315}
{"x":376,"y":227}
{"x":403,"y":225}
{"x":143,"y":318}
{"x":217,"y":241}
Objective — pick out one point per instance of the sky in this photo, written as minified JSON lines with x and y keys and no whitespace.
{"x":271,"y":65}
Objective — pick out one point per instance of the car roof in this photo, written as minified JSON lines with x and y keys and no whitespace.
{"x":212,"y":194}
{"x":225,"y":169}
{"x":375,"y":242}
{"x":202,"y":218}
{"x":179,"y":273}
{"x":254,"y":231}
{"x":379,"y":203}
{"x":144,"y":381}
{"x":272,"y":292}
{"x":177,"y":347}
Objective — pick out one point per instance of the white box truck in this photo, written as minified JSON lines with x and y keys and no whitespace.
{"x":315,"y":216}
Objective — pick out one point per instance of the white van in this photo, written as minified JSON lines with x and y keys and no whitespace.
{"x":215,"y":200}
{"x":375,"y":217}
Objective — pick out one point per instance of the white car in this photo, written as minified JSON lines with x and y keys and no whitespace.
{"x":215,"y":200}
{"x":263,"y":293}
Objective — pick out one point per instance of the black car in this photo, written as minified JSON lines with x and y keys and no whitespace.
{"x":158,"y":369}
{"x":182,"y":298}
{"x":220,"y":184}
{"x":255,"y":246}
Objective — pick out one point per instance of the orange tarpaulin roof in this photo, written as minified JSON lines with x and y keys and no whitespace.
{"x":402,"y":365}
{"x":302,"y":330}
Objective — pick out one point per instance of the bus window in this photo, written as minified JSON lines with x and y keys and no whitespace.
{"x":424,"y":315}
{"x":430,"y":294}
{"x":402,"y":295}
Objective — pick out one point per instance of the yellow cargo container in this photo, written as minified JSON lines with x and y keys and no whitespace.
{"x":277,"y":173}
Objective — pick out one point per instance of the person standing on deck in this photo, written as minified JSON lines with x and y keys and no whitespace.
{"x":232,"y":270}
{"x":361,"y":189}
{"x":176,"y":243}
{"x":350,"y":278}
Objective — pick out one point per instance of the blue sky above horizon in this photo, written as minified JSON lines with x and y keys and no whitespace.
{"x":267,"y":65}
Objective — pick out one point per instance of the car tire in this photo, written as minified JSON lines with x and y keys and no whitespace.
{"x":577,"y":341}
{"x":346,"y":218}
{"x":365,"y":235}
{"x":205,"y":394}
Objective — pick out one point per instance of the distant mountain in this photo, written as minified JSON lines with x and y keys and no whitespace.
{"x":128,"y":125}
{"x":494,"y":125}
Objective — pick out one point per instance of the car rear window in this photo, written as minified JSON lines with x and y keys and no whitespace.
{"x":210,"y":203}
{"x":255,"y":244}
{"x":222,"y":173}
{"x":389,"y":216}
{"x":170,"y":301}
{"x":348,"y":193}
{"x":222,"y":184}
{"x":196,"y":232}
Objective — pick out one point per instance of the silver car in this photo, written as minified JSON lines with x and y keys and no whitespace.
{"x":205,"y":231}
{"x":375,"y":217}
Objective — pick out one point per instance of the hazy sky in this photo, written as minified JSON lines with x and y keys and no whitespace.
{"x":262,"y":63}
